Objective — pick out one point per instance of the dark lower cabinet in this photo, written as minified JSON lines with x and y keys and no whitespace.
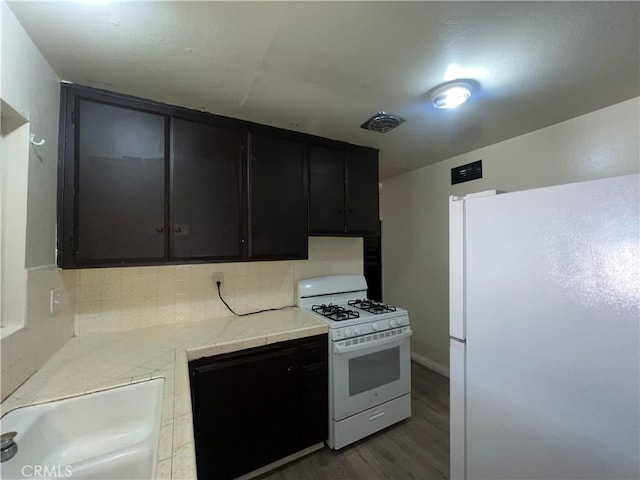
{"x":256,"y":406}
{"x":277,"y":198}
{"x":313,"y":427}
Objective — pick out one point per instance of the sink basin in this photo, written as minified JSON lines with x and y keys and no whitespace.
{"x":112,"y":434}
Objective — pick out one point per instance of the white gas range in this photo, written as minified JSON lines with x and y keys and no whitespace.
{"x":369,"y":356}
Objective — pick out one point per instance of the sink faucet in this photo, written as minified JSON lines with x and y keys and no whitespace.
{"x":8,"y":448}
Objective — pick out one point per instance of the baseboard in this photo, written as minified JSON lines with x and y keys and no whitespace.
{"x":427,"y":362}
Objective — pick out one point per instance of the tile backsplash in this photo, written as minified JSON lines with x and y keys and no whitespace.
{"x":116,"y":299}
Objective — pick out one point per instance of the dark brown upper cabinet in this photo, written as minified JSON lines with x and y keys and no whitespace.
{"x":206,"y":191}
{"x":326,"y":190}
{"x":145,"y":183}
{"x":343,"y":190}
{"x":362,"y":214}
{"x":115,"y":188}
{"x":277,"y":198}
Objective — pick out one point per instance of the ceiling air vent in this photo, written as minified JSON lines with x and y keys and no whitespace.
{"x":382,"y":122}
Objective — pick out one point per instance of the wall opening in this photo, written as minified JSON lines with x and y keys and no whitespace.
{"x":14,"y":173}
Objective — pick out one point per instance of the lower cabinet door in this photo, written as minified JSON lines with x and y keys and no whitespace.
{"x":315,"y":403}
{"x":246,"y":411}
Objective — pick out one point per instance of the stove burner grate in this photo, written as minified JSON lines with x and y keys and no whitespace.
{"x":372,"y":306}
{"x":335,"y":312}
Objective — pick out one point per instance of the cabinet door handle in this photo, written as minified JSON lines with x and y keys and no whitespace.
{"x":178,"y":230}
{"x":340,"y":210}
{"x":160,"y":229}
{"x":254,"y":233}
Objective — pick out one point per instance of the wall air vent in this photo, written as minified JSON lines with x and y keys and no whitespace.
{"x":382,"y":122}
{"x":465,"y":173}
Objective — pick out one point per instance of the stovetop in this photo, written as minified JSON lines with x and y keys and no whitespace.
{"x":351,"y":313}
{"x":372,"y":306}
{"x":335,"y":312}
{"x":346,"y":320}
{"x":354,"y":309}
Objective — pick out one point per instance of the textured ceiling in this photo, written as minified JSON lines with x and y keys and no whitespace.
{"x":325,"y":67}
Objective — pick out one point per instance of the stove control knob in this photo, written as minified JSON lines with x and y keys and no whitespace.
{"x":401,"y":321}
{"x":393,"y":323}
{"x":347,"y":332}
{"x":356,"y":330}
{"x":374,"y":327}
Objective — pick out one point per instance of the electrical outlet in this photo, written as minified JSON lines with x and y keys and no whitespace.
{"x":55,"y":301}
{"x":217,"y":277}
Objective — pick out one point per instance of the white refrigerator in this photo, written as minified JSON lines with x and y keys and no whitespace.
{"x":544,"y":327}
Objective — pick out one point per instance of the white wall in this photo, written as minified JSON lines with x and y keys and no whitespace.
{"x":414,"y":205}
{"x":29,"y":86}
{"x":15,"y":150}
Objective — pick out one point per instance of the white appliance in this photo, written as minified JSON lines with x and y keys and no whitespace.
{"x":544,"y":325}
{"x":369,"y":356}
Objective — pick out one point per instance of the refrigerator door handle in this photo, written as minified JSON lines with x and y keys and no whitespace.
{"x":456,"y":268}
{"x":459,"y":340}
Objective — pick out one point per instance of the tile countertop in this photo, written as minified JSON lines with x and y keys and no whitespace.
{"x":96,"y":362}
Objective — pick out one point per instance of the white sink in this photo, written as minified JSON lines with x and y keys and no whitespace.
{"x":112,"y":434}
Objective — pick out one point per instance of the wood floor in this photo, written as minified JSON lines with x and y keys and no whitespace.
{"x":417,"y":448}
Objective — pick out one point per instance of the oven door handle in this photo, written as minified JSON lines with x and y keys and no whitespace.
{"x":375,"y":343}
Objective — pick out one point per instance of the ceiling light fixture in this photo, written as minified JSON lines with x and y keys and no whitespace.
{"x":453,"y":94}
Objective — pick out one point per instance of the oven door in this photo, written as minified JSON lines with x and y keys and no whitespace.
{"x":368,"y":371}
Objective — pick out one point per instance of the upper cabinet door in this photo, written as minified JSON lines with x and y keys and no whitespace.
{"x":119,"y":184}
{"x":206,"y":191}
{"x":326,"y":190}
{"x":277,"y":198}
{"x":362,"y":191}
